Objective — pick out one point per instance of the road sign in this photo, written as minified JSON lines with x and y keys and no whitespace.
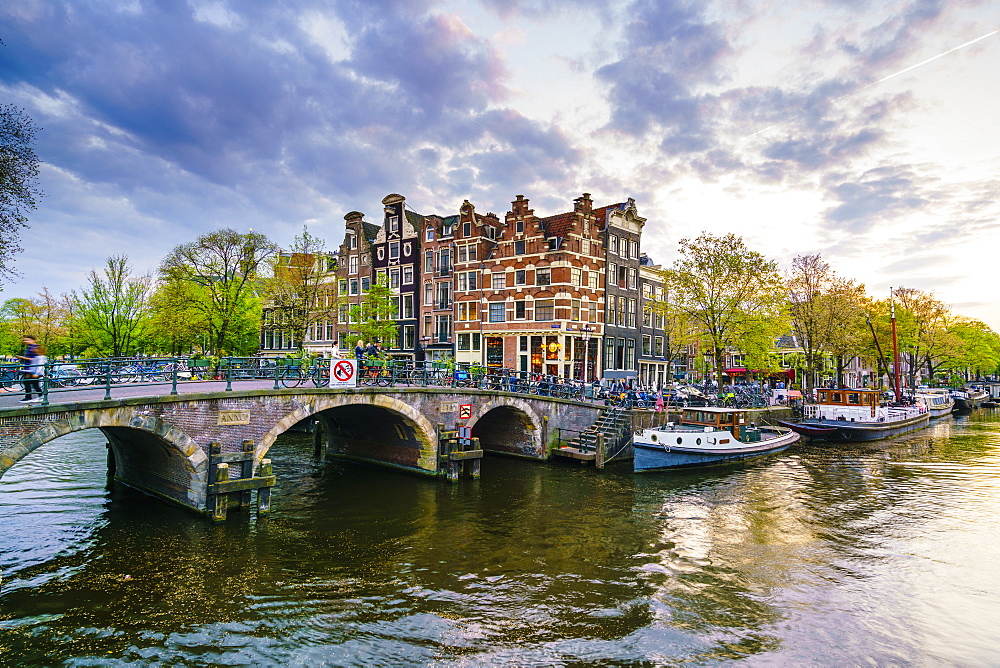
{"x":343,"y":373}
{"x":465,"y":411}
{"x":465,"y":435}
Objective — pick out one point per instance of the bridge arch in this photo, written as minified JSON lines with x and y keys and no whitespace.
{"x":149,"y":453}
{"x":325,"y":408}
{"x":509,"y":425}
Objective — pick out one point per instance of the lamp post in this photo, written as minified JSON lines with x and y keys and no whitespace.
{"x":586,"y":330}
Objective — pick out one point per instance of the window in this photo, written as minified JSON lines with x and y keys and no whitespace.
{"x":632,"y":277}
{"x":543,"y":276}
{"x":409,"y":336}
{"x":519,"y":247}
{"x":464,"y":342}
{"x":575,"y":313}
{"x":612,"y":272}
{"x":476,"y":341}
{"x":429,"y":234}
{"x":407,"y":310}
{"x":366,"y":284}
{"x":555,"y":243}
{"x":354,"y":286}
{"x":352,"y":240}
{"x":466,"y":229}
{"x":519,"y":227}
{"x":461,"y":253}
{"x":491,"y":232}
{"x":394,"y":279}
{"x":428,"y":294}
{"x":393,"y":250}
{"x":545,"y":309}
{"x":467,"y":280}
{"x":658,"y":346}
{"x":585,"y":246}
{"x":428,"y":262}
{"x":343,"y":287}
{"x":499,"y":281}
{"x":443,"y":295}
{"x":631,"y":313}
{"x":629,"y":354}
{"x":613,"y":244}
{"x":612,"y":309}
{"x":520,"y":312}
{"x":595,"y":280}
{"x":647,"y":345}
{"x":591,"y":315}
{"x":520,"y":277}
{"x":498,"y":312}
{"x":442,"y":328}
{"x":352,"y":264}
{"x":468,"y":311}
{"x":576,"y":276}
{"x":447,"y":229}
{"x":394,"y":223}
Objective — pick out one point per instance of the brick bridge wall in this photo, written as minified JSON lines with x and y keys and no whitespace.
{"x":161,"y":444}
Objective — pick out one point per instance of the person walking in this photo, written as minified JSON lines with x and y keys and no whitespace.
{"x":359,"y":352}
{"x":34,"y":360}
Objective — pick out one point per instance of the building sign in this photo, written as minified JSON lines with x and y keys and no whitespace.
{"x":343,"y":373}
{"x":234,"y":417}
{"x":448,"y":407}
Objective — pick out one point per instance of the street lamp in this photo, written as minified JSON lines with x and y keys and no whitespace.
{"x":586,"y":330}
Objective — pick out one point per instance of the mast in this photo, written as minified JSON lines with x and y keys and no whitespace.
{"x":895,"y":347}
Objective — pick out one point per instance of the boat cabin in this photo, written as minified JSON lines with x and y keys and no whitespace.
{"x":726,"y":419}
{"x":847,"y":404}
{"x":849,"y":397}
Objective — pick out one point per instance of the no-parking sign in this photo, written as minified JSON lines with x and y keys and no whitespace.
{"x":343,"y":373}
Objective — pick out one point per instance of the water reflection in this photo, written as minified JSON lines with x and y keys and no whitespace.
{"x":821,"y":555}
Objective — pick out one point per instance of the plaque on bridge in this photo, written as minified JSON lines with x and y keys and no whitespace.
{"x":234,"y":417}
{"x":465,"y":412}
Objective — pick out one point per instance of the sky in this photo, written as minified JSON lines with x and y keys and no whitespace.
{"x":862,"y":131}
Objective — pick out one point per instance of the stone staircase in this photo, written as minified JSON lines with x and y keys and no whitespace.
{"x":614,"y":424}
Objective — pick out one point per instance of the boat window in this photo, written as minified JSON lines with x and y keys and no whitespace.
{"x":822,"y":396}
{"x":853,"y":398}
{"x":679,"y":440}
{"x":835,"y":398}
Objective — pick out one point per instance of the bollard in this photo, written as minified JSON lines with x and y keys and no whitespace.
{"x":246,"y":472}
{"x":107,"y":382}
{"x":173,"y":377}
{"x":229,"y":374}
{"x":601,"y":452}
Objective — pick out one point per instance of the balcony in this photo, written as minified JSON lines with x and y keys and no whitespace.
{"x":443,"y":305}
{"x":445,"y":271}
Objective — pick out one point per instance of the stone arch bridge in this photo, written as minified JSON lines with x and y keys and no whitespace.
{"x":165,"y":445}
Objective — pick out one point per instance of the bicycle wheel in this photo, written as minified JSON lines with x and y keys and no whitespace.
{"x":291,"y":377}
{"x":321,"y":376}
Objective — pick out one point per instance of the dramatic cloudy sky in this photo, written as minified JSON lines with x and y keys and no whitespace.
{"x":865,"y":131}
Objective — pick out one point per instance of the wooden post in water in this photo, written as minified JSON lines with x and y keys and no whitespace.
{"x":475,"y":463}
{"x":318,"y":434}
{"x":545,"y":434}
{"x":264,"y":493}
{"x":601,"y":451}
{"x":221,"y":501}
{"x":246,"y":472}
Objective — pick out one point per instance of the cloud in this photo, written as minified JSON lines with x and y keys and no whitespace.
{"x":871,"y":198}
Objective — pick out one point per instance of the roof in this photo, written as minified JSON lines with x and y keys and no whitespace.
{"x":413,"y":218}
{"x":558,"y":225}
{"x":602,"y":213}
{"x":369,"y":230}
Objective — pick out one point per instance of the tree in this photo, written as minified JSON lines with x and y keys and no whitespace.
{"x":174,"y":325}
{"x":300,"y":288}
{"x":679,"y":333}
{"x":109,"y":316}
{"x":375,"y":317}
{"x":735,"y":296}
{"x":826,"y":315}
{"x":224,"y":267}
{"x":19,"y":190}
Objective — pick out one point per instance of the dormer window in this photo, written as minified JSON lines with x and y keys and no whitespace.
{"x":446,"y":231}
{"x":430,"y":234}
{"x":393,"y":223}
{"x":491,"y":232}
{"x":352,"y":240}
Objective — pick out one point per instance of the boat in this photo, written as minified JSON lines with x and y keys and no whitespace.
{"x":706,"y":436}
{"x":938,"y":401}
{"x":968,"y":398}
{"x":849,"y":414}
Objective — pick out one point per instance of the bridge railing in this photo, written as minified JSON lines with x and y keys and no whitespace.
{"x":63,"y":376}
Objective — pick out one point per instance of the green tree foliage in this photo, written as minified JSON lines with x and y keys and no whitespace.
{"x":978,"y":351}
{"x":300,"y":288}
{"x":108,"y":316}
{"x":734,"y":296}
{"x":375,"y":318}
{"x":679,"y":332}
{"x":826,"y":314}
{"x":175,"y":327}
{"x":223,"y":267}
{"x":19,"y":191}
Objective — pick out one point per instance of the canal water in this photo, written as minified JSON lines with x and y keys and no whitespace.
{"x":878,"y":554}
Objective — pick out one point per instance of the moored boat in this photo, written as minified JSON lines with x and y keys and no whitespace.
{"x":849,"y":414}
{"x":706,"y":437}
{"x":938,"y":401}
